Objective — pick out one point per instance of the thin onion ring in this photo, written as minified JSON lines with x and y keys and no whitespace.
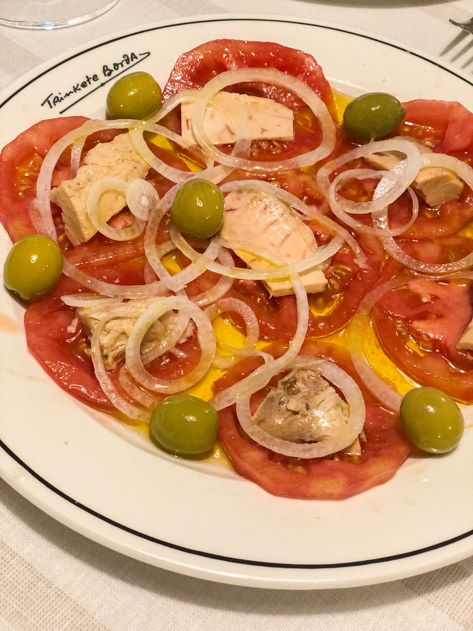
{"x":262,"y":375}
{"x":205,"y":334}
{"x":325,"y":446}
{"x":276,"y":77}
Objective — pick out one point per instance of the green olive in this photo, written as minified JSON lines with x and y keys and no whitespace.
{"x":198,"y":209}
{"x":184,"y":425}
{"x":136,"y":95}
{"x":431,"y":420}
{"x":373,"y":116}
{"x":33,"y":266}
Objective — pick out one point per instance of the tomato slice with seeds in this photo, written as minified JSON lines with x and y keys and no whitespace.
{"x":331,"y":309}
{"x":447,"y":126}
{"x":383,"y":452}
{"x":61,"y":346}
{"x":196,"y":67}
{"x":20,"y":163}
{"x":442,"y":221}
{"x":59,"y":343}
{"x":348,"y":283}
{"x":419,"y":326}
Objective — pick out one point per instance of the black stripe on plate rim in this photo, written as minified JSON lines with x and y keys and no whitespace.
{"x":224,"y":558}
{"x":167,"y":544}
{"x":239,"y":19}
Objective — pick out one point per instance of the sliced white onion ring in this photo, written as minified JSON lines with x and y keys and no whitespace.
{"x":346,"y":216}
{"x":141,"y":198}
{"x":325,"y":446}
{"x":120,"y":402}
{"x":172,"y":333}
{"x":134,"y":391}
{"x":102,"y":186}
{"x":252,"y":329}
{"x":391,"y":185}
{"x":156,"y":288}
{"x":262,"y":375}
{"x":76,"y":154}
{"x":275,"y":77}
{"x":357,"y":333}
{"x":86,"y":300}
{"x":436,"y":269}
{"x":221,"y":287}
{"x":205,"y":335}
{"x":142,"y":148}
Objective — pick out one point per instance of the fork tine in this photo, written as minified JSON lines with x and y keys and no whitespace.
{"x":463,"y":50}
{"x":466,"y":26}
{"x":455,"y":42}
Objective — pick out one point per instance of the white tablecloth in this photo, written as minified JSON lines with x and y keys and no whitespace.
{"x":53,"y":579}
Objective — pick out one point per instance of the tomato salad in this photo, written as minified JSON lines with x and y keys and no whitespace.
{"x":236,"y":238}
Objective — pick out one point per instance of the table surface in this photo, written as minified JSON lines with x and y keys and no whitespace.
{"x":53,"y":578}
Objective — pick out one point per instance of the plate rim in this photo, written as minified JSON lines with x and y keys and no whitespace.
{"x":454,"y":544}
{"x":57,"y":60}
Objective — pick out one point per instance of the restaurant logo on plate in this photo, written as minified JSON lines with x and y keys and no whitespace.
{"x":83,"y":86}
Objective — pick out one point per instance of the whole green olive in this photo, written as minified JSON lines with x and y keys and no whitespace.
{"x":136,"y":95}
{"x":198,"y":208}
{"x":373,"y":116}
{"x":184,"y":425}
{"x":33,"y":266}
{"x":431,"y":420}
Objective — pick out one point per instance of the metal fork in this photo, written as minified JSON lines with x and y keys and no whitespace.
{"x":465,"y":26}
{"x":466,"y":30}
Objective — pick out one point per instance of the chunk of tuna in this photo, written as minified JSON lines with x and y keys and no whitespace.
{"x":116,"y":158}
{"x":303,"y":408}
{"x":262,"y":221}
{"x":260,"y":118}
{"x":435,"y":185}
{"x":116,"y":331}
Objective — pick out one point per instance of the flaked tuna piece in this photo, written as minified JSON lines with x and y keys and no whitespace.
{"x":303,"y":408}
{"x":435,"y":185}
{"x":261,"y":118}
{"x":116,"y":331}
{"x":116,"y":158}
{"x":263,"y":221}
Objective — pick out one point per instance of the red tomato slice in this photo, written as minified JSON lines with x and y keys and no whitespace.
{"x":419,"y":326}
{"x":331,"y":309}
{"x":430,"y":223}
{"x":446,"y":125}
{"x":348,"y":283}
{"x":440,"y":250}
{"x":20,"y":162}
{"x":62,"y":353}
{"x":193,"y":69}
{"x":319,"y":478}
{"x":196,"y":67}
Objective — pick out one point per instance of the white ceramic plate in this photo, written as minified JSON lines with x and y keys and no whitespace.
{"x":200,"y":520}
